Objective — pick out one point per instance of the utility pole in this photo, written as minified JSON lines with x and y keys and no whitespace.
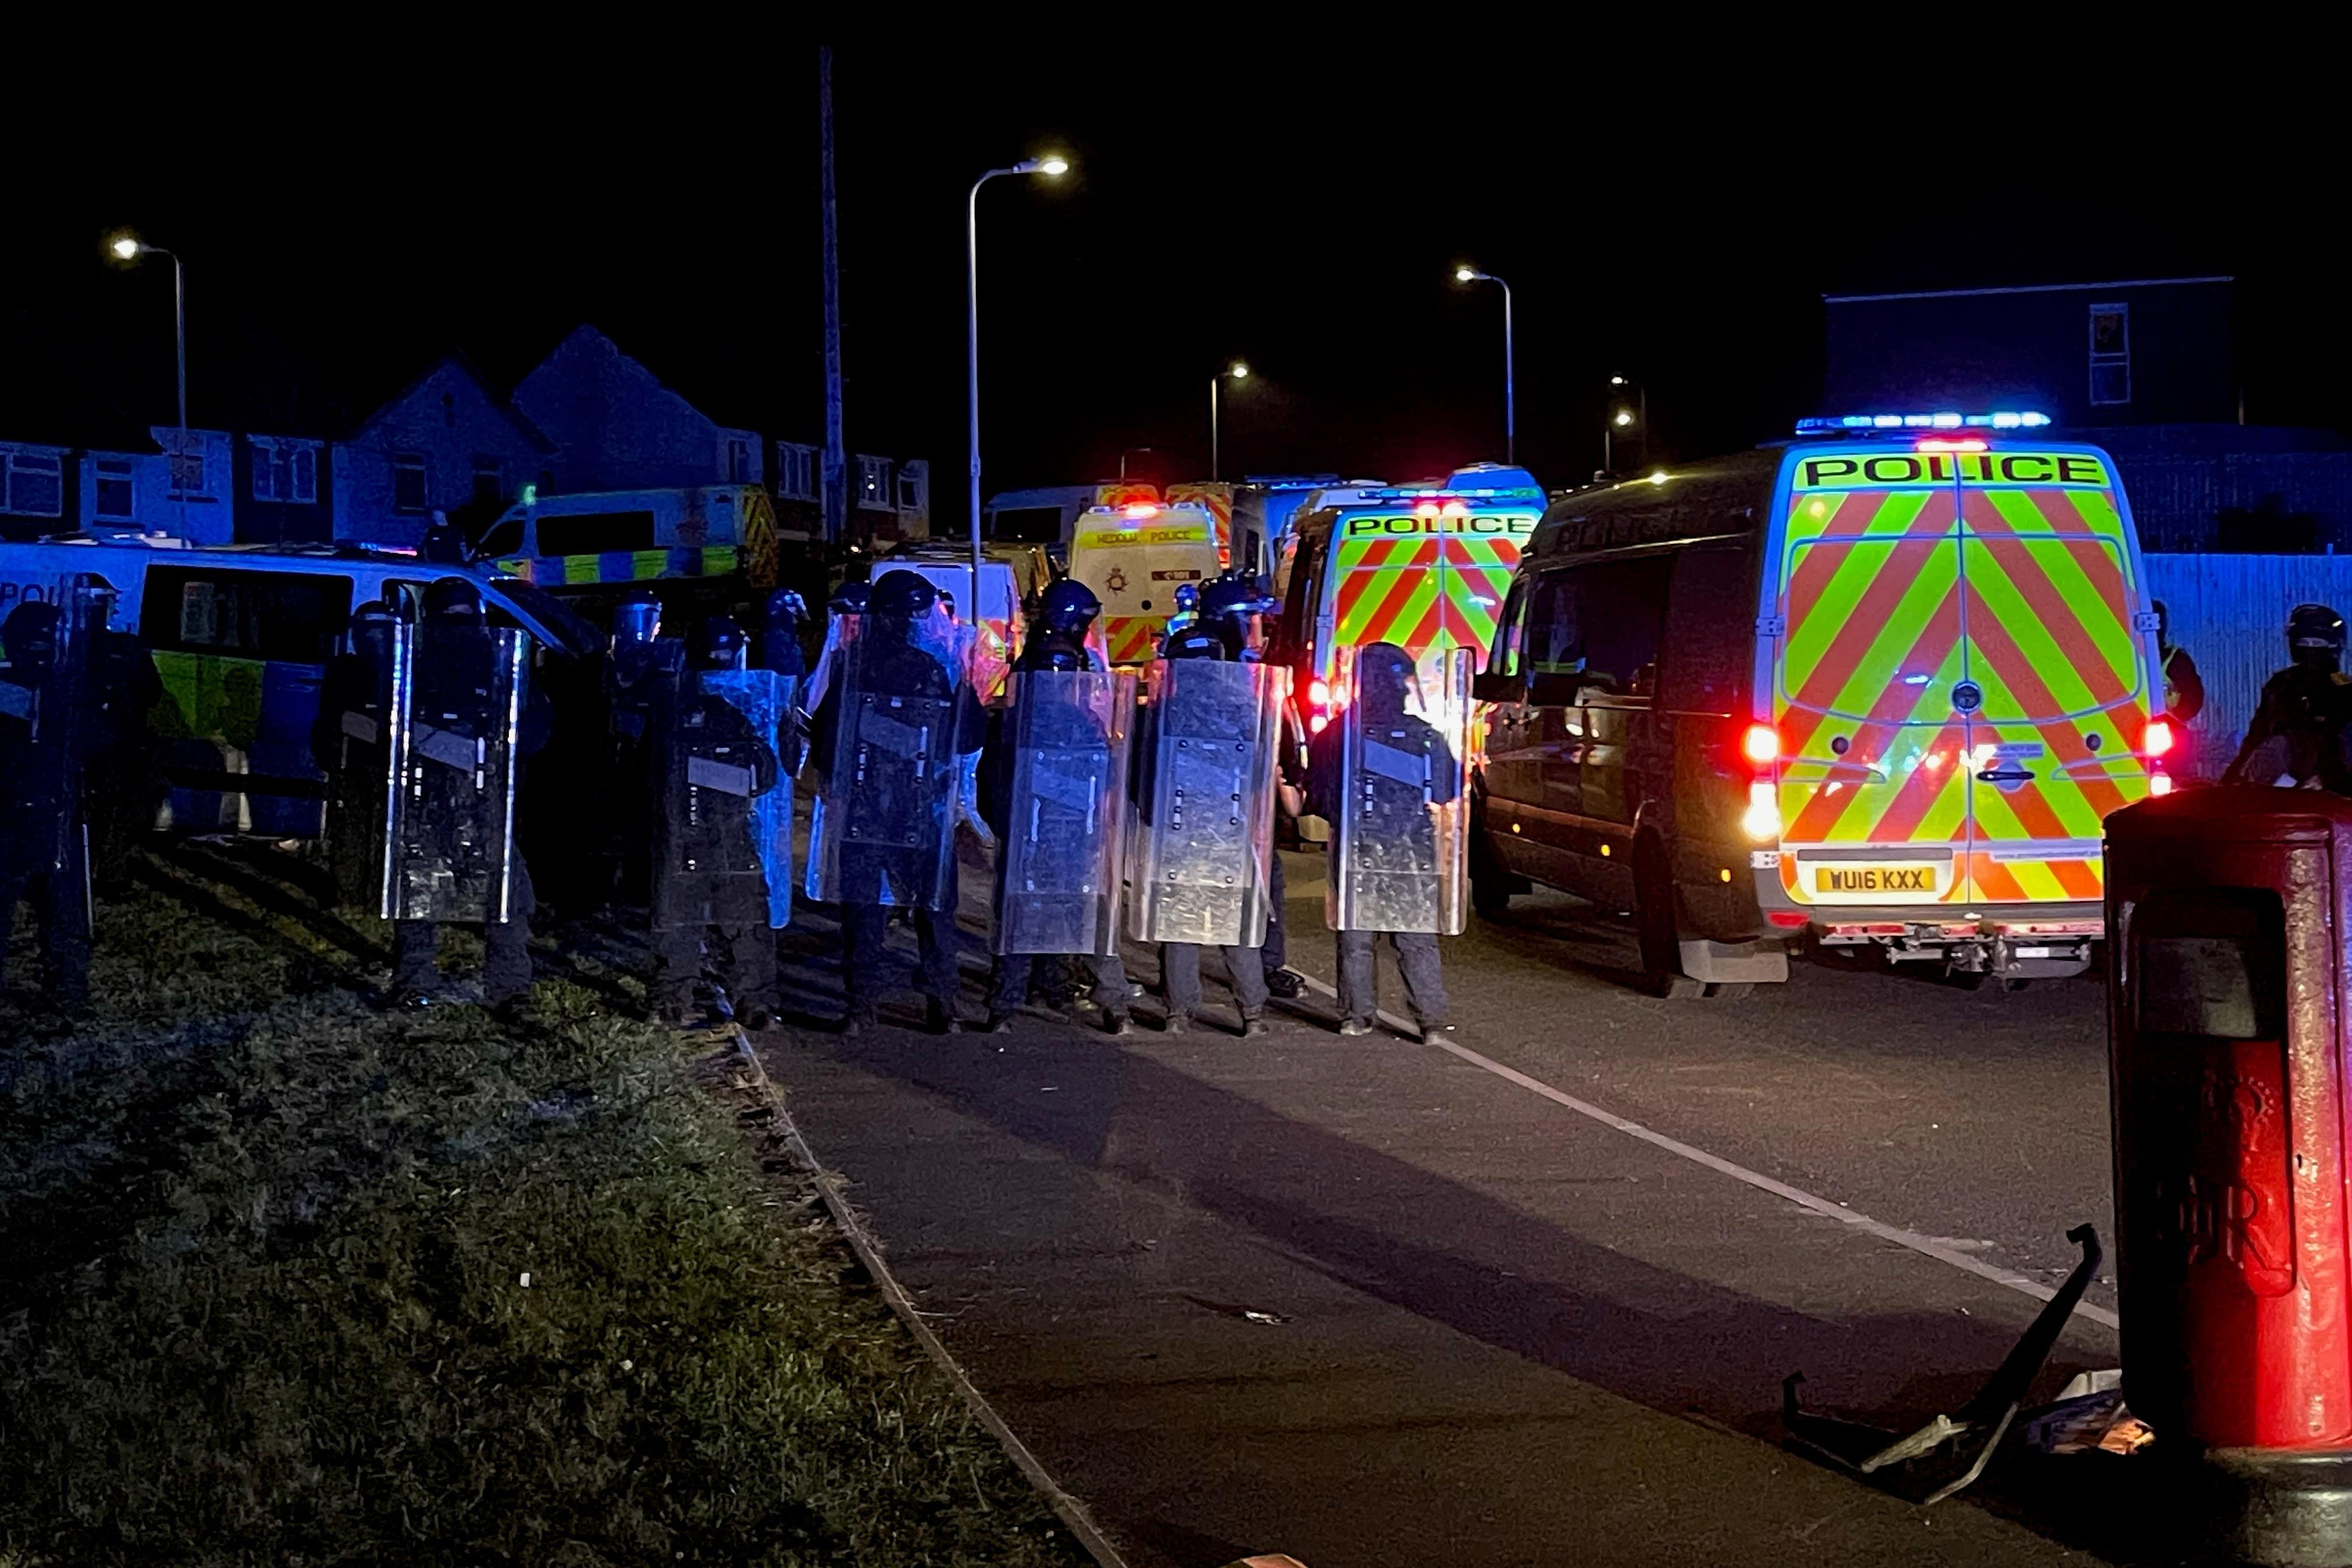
{"x":834,"y":483}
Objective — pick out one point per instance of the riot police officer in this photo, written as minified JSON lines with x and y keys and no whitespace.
{"x":642,"y":672}
{"x":349,"y":743}
{"x":42,"y":729}
{"x":120,"y":790}
{"x":779,"y":637}
{"x":1059,"y":751}
{"x":1204,"y":816}
{"x":2297,"y":734}
{"x":712,"y":864}
{"x":1375,"y":775}
{"x":1234,"y":605}
{"x":451,"y":842}
{"x":896,"y":714}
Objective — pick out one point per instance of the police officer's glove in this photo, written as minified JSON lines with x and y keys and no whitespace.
{"x":968,"y":800}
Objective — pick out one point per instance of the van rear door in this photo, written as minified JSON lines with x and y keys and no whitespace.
{"x":1873,"y":809}
{"x":2056,"y":700}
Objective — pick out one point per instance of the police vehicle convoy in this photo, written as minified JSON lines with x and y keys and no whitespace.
{"x":1874,"y":691}
{"x":241,"y":636}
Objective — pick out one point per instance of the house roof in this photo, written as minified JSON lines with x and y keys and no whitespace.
{"x":465,"y":366}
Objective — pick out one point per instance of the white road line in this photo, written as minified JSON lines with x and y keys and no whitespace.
{"x":1927,"y":1246}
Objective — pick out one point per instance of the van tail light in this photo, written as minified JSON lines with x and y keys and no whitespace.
{"x":1761,"y":820}
{"x":1760,"y":745}
{"x":1318,"y":693}
{"x":2159,"y":784}
{"x":2159,"y":737}
{"x":1318,"y":723}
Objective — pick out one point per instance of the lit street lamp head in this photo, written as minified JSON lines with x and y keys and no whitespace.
{"x":1465,"y":275}
{"x":1051,"y":163}
{"x":1238,"y":370}
{"x":1616,"y":381}
{"x":125,"y":248}
{"x":1625,"y":417}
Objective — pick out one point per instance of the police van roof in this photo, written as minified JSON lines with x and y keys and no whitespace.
{"x":1723,"y":495}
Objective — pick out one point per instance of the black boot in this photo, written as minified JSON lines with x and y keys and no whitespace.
{"x":939,"y":1018}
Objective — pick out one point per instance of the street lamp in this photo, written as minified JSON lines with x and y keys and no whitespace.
{"x":128,"y":247}
{"x":1051,"y":165}
{"x":1623,"y":418}
{"x":1239,"y":372}
{"x":1510,"y":408}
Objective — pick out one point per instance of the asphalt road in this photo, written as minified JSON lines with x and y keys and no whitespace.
{"x":1371,"y":1301}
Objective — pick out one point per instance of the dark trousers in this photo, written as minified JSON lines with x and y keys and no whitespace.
{"x":1008,"y":988}
{"x":1273,"y":955}
{"x":729,"y":913}
{"x":1179,"y":978}
{"x":1416,"y":952}
{"x":863,"y":930}
{"x":60,"y":903}
{"x":506,"y":959}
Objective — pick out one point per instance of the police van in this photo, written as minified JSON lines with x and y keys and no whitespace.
{"x":1424,"y":566}
{"x":1135,"y":557}
{"x":602,"y":543}
{"x":241,"y":636}
{"x":1874,"y":691}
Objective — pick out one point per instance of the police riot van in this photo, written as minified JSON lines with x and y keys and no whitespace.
{"x":241,"y":636}
{"x":603,"y":543}
{"x":1135,"y":556}
{"x":1423,"y":566}
{"x":1871,"y":692}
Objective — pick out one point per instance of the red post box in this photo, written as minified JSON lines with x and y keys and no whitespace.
{"x":2228,"y":915}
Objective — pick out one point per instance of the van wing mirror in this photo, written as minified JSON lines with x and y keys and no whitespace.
{"x":1492,"y":687}
{"x":1556,"y":689}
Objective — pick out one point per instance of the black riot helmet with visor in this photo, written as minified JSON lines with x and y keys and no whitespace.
{"x":1069,"y":606}
{"x":722,"y":645}
{"x":1234,"y":606}
{"x":637,"y":619}
{"x":2315,"y":636}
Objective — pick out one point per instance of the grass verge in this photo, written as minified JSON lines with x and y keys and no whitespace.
{"x":289,"y":1281}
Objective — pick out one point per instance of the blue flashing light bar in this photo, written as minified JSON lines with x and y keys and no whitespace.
{"x":1515,"y":492}
{"x":1848,"y":424}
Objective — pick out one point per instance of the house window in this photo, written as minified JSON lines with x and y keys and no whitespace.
{"x":33,"y":484}
{"x":285,"y":471}
{"x":489,"y":480}
{"x":914,"y":487}
{"x":408,"y":481}
{"x":873,"y":483}
{"x":2110,"y":353}
{"x":188,"y":469}
{"x":112,"y":500}
{"x":796,"y":471}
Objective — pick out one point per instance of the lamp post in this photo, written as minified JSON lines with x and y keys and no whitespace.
{"x":1621,"y":418}
{"x":128,"y":247}
{"x":1239,"y":372}
{"x":1510,"y":396}
{"x":1053,"y":164}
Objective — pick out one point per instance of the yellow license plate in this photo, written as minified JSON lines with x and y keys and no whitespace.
{"x":1861,"y":879}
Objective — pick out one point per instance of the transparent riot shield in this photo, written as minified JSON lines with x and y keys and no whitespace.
{"x":456,"y":704}
{"x":764,"y":700}
{"x":1399,"y":844}
{"x":359,"y":795}
{"x":1058,"y":871}
{"x":45,"y":733}
{"x":1200,"y":838}
{"x":880,"y":830}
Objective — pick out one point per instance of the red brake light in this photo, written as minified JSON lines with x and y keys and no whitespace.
{"x":1760,"y":745}
{"x":1787,"y":919}
{"x":1140,"y":509}
{"x":1947,"y":444}
{"x":2159,"y":737}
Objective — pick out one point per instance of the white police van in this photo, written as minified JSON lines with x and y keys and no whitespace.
{"x":241,"y":636}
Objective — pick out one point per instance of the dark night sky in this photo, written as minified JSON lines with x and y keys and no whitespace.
{"x":1302,"y":211}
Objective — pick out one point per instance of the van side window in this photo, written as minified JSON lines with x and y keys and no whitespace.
{"x":1710,"y":641}
{"x":1510,"y":632}
{"x":293,"y":617}
{"x":1624,"y":614}
{"x":1555,"y":635}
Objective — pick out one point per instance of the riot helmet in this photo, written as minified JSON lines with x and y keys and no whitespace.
{"x":902,"y":595}
{"x":786,"y":611}
{"x":452,"y":598}
{"x":2315,"y":636}
{"x":1384,"y":681}
{"x":721,"y":646}
{"x":850,"y":598}
{"x":1195,"y":641}
{"x":637,"y":619}
{"x":1231,"y":605}
{"x":29,"y":637}
{"x":1069,"y":606}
